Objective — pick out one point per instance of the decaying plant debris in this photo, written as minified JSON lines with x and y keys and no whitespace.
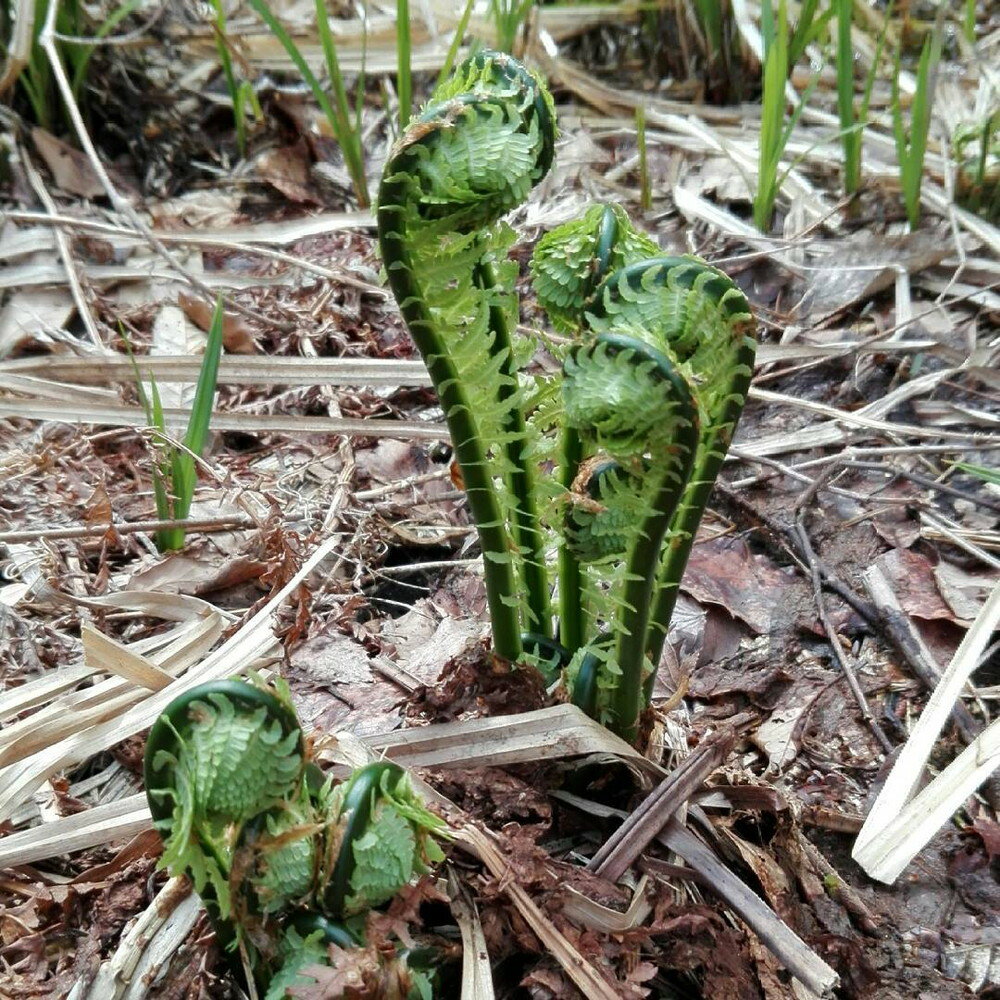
{"x":853,"y":539}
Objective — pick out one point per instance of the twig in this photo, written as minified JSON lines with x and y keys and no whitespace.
{"x":645,"y":822}
{"x":815,"y":577}
{"x":950,"y":533}
{"x":883,"y":616}
{"x":901,"y":822}
{"x":194,"y":239}
{"x":908,"y":641}
{"x":800,"y":960}
{"x":931,"y":484}
{"x":225,"y":522}
{"x":847,"y":896}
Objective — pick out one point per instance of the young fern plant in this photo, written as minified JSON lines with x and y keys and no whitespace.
{"x":651,"y":396}
{"x":285,"y":861}
{"x":637,"y":426}
{"x":473,"y":154}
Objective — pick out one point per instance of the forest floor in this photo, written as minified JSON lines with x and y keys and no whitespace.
{"x":860,"y":509}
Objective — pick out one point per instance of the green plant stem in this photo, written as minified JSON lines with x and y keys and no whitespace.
{"x":911,"y":145}
{"x":572,"y":613}
{"x":521,"y":479}
{"x":483,"y":502}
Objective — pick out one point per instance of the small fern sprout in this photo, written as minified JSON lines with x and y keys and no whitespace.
{"x":277,"y":853}
{"x":220,"y":755}
{"x":381,"y":835}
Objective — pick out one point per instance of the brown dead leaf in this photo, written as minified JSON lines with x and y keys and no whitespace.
{"x":97,"y":509}
{"x":754,"y":674}
{"x":490,"y":791}
{"x":193,"y":575}
{"x":332,"y":658}
{"x":724,"y":571}
{"x":912,"y":579}
{"x":360,"y":973}
{"x":237,"y":336}
{"x":390,"y":461}
{"x":989,"y":832}
{"x":855,"y":269}
{"x":287,"y":170}
{"x":478,"y":682}
{"x":70,"y":169}
{"x":964,"y":592}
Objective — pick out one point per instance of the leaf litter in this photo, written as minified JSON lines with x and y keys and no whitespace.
{"x":347,"y":541}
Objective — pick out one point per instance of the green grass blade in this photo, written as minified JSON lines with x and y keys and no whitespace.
{"x":226,"y":61}
{"x":984,"y":472}
{"x":110,"y":23}
{"x":775,"y":74}
{"x":876,"y":59}
{"x":347,"y":137}
{"x":645,"y":194}
{"x":850,"y":138}
{"x":185,"y":472}
{"x":709,"y":14}
{"x":456,"y":43}
{"x":404,"y":89}
{"x":167,"y":539}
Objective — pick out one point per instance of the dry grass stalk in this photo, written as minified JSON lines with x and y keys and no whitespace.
{"x":900,"y":823}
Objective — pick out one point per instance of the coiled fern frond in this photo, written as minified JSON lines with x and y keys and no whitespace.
{"x":697,"y":315}
{"x":651,"y":399}
{"x":269,"y":845}
{"x":222,"y":754}
{"x":485,"y":139}
{"x":570,"y":262}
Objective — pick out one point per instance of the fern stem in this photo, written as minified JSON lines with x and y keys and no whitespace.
{"x":643,"y":557}
{"x":572,"y":613}
{"x":711,"y":454}
{"x":466,"y":439}
{"x":520,"y":479}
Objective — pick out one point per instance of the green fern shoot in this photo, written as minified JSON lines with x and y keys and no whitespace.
{"x":285,"y":861}
{"x":636,"y":428}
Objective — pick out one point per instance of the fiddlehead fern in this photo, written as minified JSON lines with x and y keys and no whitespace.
{"x":629,"y":402}
{"x":570,"y":262}
{"x":702,"y":319}
{"x":381,"y":833}
{"x":692,"y":327}
{"x":220,"y":755}
{"x":266,"y":840}
{"x":474,"y":153}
